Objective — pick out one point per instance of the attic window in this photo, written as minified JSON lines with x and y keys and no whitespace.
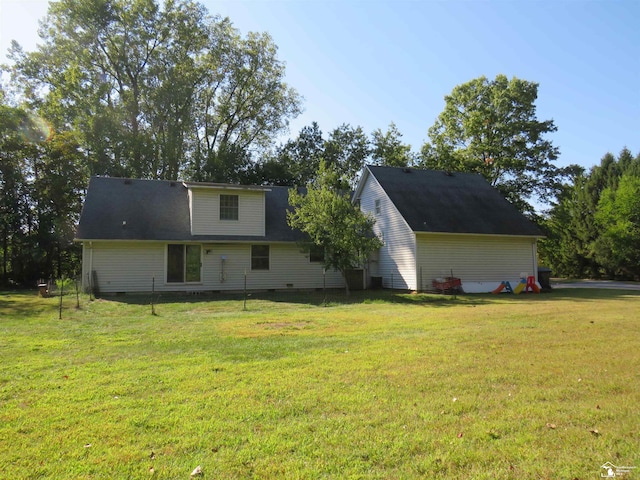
{"x":377,"y":206}
{"x":228,"y":207}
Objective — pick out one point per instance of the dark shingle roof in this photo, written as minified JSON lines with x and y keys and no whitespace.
{"x":434,"y":201}
{"x":159,"y":210}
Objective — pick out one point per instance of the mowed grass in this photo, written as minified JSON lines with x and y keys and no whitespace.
{"x":380,"y":386}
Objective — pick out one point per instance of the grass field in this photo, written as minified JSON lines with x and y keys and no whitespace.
{"x":385,"y":386}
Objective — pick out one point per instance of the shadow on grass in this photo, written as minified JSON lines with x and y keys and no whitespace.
{"x":589,"y":294}
{"x":330,"y":298}
{"x":23,"y":303}
{"x":338,"y":297}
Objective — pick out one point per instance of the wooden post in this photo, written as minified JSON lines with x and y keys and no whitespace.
{"x":153,"y":293}
{"x":244,"y":304}
{"x":75,"y":280}
{"x":60,"y":306}
{"x":455,"y":287}
{"x":324,"y":286}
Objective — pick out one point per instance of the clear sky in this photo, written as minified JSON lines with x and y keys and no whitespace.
{"x":373,"y":62}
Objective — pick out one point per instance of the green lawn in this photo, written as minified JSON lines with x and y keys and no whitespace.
{"x":385,"y":386}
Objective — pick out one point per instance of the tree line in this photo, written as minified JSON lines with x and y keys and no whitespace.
{"x":138,"y":89}
{"x":593,"y":228}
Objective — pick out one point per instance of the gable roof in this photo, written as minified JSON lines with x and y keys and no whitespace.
{"x":132,"y":209}
{"x":441,"y":202}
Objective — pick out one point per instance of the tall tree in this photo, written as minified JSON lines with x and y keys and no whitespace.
{"x":491,"y":127}
{"x":244,"y":101}
{"x":617,"y":247}
{"x":590,"y":225}
{"x":562,"y":249}
{"x":58,"y":180}
{"x":42,"y":181}
{"x":332,"y":222}
{"x":14,"y":203}
{"x":388,"y":149}
{"x":296,"y":162}
{"x":155,"y":92}
{"x":347,"y":150}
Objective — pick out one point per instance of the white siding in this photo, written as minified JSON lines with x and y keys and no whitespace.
{"x":397,"y":258}
{"x":126,"y":266}
{"x":205,"y":212}
{"x":481,"y":261}
{"x":288,"y":268}
{"x":130,"y":267}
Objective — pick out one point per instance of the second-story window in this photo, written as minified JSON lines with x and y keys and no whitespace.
{"x":377,"y":206}
{"x":228,"y":207}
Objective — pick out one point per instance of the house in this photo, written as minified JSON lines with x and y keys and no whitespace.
{"x":440,"y":224}
{"x":139,"y":235}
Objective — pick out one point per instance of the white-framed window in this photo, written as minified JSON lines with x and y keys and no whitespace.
{"x":259,"y":257}
{"x":184,"y":263}
{"x":377,"y":206}
{"x":229,"y":207}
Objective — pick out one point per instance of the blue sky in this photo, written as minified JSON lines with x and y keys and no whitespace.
{"x":373,"y":62}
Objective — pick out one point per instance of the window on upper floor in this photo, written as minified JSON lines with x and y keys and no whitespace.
{"x":228,"y":207}
{"x":377,"y":206}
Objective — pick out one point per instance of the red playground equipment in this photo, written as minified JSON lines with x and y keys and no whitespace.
{"x":531,"y":284}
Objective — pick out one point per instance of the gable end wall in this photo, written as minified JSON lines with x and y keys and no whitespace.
{"x":396,"y":262}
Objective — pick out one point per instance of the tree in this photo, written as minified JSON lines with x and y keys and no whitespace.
{"x":14,"y":205}
{"x":347,"y":150}
{"x":617,"y":248}
{"x":243,"y":101}
{"x":333,"y":223}
{"x":589,"y":228}
{"x":154,"y":92}
{"x":388,"y":149}
{"x":227,"y":164}
{"x":490,"y":127}
{"x":59,"y":178}
{"x":562,"y":248}
{"x":296,"y":162}
{"x":42,"y":180}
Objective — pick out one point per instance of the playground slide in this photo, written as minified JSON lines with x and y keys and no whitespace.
{"x":522,"y":286}
{"x":535,"y":288}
